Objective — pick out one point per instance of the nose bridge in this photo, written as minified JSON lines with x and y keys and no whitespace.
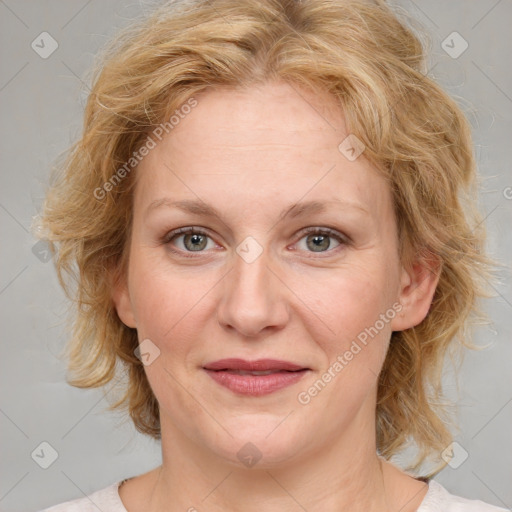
{"x":251,"y":301}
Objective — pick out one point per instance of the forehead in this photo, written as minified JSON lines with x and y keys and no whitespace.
{"x":256,"y":145}
{"x":275,"y":114}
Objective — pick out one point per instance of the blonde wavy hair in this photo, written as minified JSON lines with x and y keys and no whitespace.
{"x":364,"y":55}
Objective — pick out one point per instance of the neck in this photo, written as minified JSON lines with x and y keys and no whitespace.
{"x":345,"y":476}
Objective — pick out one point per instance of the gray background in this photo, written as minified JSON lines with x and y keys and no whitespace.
{"x":41,"y":101}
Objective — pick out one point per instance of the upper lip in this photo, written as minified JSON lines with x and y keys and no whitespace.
{"x":258,"y":365}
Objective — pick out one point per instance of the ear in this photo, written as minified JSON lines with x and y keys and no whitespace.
{"x":417,"y":287}
{"x":122,"y":302}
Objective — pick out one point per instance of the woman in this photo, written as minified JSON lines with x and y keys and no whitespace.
{"x":265,"y":211}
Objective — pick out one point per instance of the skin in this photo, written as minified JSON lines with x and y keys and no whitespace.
{"x":250,"y":154}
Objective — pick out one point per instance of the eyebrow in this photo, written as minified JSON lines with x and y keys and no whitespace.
{"x":200,"y":208}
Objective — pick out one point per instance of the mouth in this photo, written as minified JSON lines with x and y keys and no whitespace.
{"x":260,"y":365}
{"x":255,"y":372}
{"x":255,"y":378}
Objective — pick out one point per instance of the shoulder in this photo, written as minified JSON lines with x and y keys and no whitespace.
{"x":438,"y":499}
{"x":104,"y":499}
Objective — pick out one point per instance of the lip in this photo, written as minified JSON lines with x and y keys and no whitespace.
{"x":226,"y":373}
{"x":258,"y":365}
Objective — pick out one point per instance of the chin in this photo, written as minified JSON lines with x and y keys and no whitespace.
{"x":262,"y":441}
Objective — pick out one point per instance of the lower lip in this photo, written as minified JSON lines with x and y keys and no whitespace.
{"x":256,"y":385}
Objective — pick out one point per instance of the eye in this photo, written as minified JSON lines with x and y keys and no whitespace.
{"x":192,"y":239}
{"x":321,"y":240}
{"x":189,"y":239}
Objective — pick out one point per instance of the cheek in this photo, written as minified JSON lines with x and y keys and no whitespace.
{"x":355,"y":315}
{"x":169,"y":306}
{"x":353,"y":312}
{"x":167,"y":301}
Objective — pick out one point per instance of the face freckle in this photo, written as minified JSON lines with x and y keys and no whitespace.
{"x":241,"y":168}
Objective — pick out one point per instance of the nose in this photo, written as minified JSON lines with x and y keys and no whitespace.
{"x":253,"y":298}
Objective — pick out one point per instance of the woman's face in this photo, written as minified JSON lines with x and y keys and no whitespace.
{"x":299,"y":264}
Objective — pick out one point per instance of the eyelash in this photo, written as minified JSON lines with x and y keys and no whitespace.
{"x":169,"y":237}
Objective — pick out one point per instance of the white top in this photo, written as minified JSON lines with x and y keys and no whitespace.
{"x":437,"y":499}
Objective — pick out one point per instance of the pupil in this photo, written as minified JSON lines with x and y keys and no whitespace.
{"x":320,"y":242}
{"x":195,"y":239}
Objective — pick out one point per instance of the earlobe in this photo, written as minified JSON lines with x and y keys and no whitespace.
{"x":122,"y":303}
{"x":417,"y":288}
